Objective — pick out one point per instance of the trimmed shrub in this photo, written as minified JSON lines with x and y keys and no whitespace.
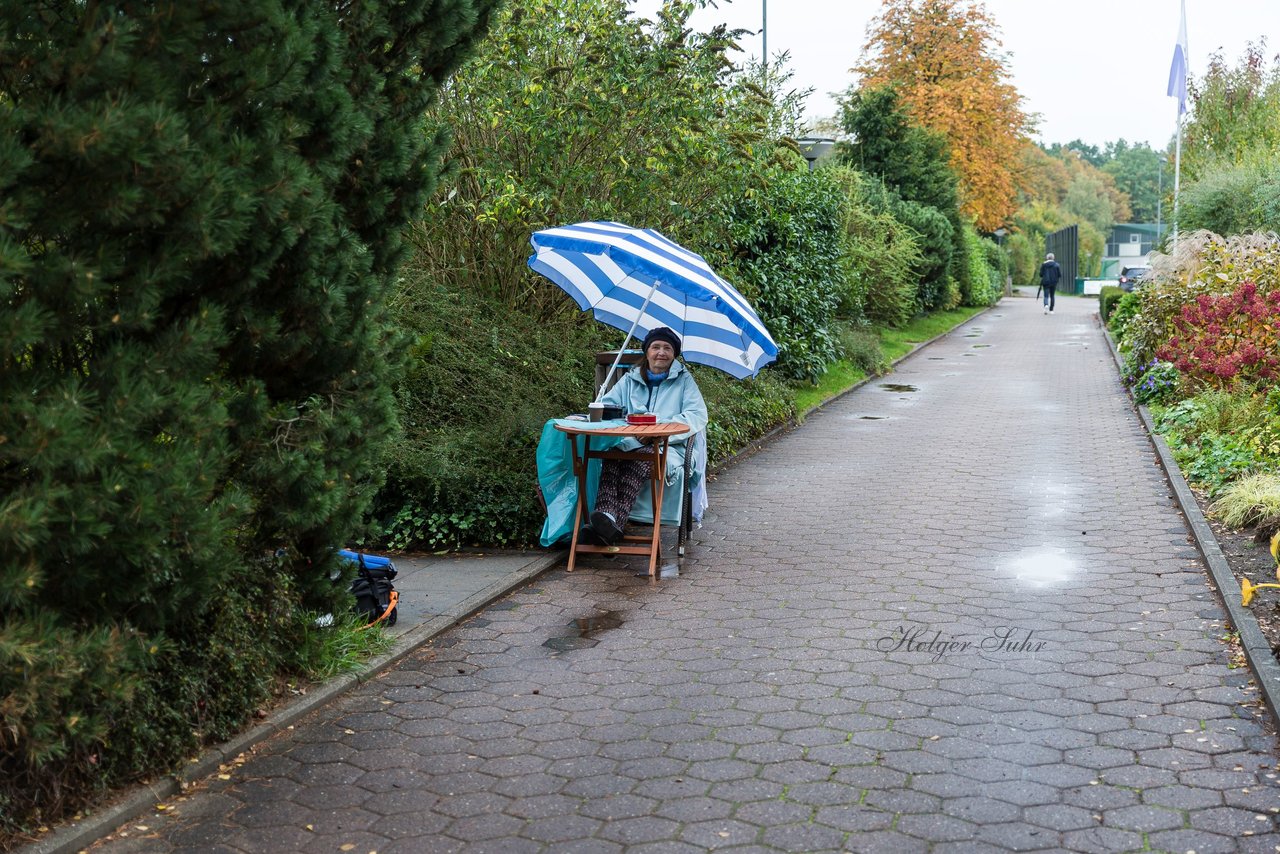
{"x":579,"y":110}
{"x":884,"y":253}
{"x":1123,"y":311}
{"x":922,"y":191}
{"x":981,"y":282}
{"x":1108,"y":298}
{"x":787,"y":243}
{"x":935,"y":238}
{"x":482,"y":379}
{"x":881,"y":255}
{"x":861,"y":348}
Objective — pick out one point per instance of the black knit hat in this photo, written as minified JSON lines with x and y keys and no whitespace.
{"x":662,"y":333}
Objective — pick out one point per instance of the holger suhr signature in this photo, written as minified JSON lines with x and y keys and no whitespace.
{"x":931,"y":642}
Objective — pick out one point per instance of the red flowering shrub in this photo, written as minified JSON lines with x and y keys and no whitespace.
{"x":1221,"y":339}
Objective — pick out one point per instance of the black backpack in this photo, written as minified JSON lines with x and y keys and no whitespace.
{"x":376,"y":596}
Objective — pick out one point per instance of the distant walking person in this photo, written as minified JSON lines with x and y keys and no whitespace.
{"x":1050,"y":275}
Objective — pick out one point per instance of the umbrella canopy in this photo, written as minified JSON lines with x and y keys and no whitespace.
{"x":636,"y":280}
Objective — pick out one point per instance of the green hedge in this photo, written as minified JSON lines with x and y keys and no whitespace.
{"x":1107,"y":300}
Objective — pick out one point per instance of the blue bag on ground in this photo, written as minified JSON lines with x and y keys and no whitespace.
{"x":376,"y":596}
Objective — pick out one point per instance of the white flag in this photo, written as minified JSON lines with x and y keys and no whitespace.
{"x":1178,"y":70}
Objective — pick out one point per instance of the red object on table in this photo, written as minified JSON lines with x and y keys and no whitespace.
{"x":641,"y":418}
{"x":659,"y":435}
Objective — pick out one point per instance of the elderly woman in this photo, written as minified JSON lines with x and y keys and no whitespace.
{"x":659,"y":384}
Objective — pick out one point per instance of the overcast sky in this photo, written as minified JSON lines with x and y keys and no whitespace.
{"x":1095,"y":70}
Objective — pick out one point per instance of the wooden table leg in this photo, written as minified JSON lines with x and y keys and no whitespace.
{"x":579,"y":509}
{"x":657,"y":480}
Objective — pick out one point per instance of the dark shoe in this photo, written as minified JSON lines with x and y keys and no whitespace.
{"x":587,"y":535}
{"x":605,"y":528}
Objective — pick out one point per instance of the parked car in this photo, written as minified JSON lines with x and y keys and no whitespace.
{"x":1130,"y":276}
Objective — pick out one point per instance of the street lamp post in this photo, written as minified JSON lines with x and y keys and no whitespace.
{"x":814,"y":148}
{"x":1160,"y":198}
{"x":764,"y":37}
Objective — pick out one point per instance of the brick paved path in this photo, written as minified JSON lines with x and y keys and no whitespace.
{"x":791,"y":691}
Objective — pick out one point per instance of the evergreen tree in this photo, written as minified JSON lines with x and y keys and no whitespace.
{"x":200,"y":209}
{"x":914,"y":165}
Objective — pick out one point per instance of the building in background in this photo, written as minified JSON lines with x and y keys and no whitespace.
{"x":1128,"y":245}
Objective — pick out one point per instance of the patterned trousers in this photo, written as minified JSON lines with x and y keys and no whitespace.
{"x":620,"y":483}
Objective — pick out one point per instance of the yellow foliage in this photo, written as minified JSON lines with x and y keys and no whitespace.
{"x":942,"y":56}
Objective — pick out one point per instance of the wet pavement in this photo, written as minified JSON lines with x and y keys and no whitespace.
{"x":954,"y":611}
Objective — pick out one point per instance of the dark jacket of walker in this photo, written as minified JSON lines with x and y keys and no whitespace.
{"x":1050,"y":273}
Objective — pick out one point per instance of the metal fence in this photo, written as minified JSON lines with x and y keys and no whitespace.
{"x":1065,"y":246}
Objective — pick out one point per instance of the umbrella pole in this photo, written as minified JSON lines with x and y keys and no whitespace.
{"x":625,"y":341}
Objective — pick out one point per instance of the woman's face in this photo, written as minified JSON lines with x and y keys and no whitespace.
{"x":660,"y":355}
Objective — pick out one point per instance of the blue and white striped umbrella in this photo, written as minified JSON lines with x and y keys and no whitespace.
{"x":636,"y":279}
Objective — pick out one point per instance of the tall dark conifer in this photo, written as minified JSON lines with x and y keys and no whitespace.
{"x":200,"y":215}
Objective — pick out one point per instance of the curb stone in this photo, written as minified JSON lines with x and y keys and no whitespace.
{"x":1257,"y":651}
{"x":76,"y":836}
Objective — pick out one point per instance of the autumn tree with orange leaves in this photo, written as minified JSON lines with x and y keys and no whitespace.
{"x":943,"y":58}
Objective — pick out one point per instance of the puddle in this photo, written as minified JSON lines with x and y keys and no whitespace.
{"x":667,"y":570}
{"x":597,"y":623}
{"x":580,"y":634}
{"x":1043,"y":567}
{"x":872,"y":418}
{"x":898,"y":387}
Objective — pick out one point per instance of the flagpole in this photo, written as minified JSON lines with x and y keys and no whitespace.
{"x":1178,"y":89}
{"x":1177,"y":173}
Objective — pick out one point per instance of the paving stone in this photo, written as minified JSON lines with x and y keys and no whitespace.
{"x":802,"y":837}
{"x":1061,"y":817}
{"x":771,"y":813}
{"x":1182,"y":797}
{"x":617,"y":807}
{"x":543,"y":806}
{"x":634,"y":831}
{"x":1193,"y":840}
{"x":1018,"y":836}
{"x":482,"y":827}
{"x":1145,"y":819}
{"x":1102,"y":840}
{"x":1231,"y":820}
{"x":561,"y":829}
{"x":937,"y":828}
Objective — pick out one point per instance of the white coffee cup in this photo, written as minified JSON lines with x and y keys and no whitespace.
{"x":595,"y":411}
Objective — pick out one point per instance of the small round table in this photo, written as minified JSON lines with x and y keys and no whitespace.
{"x":661,"y":434}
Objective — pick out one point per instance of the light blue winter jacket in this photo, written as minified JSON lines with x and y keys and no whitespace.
{"x":676,"y":398}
